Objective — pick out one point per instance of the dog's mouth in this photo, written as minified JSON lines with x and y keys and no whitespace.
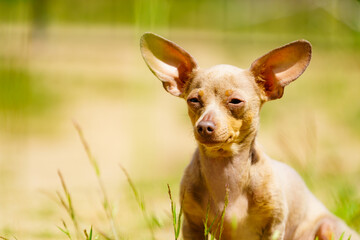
{"x":216,"y":143}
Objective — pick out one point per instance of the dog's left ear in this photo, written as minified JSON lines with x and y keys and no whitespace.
{"x":281,"y":66}
{"x":168,"y":61}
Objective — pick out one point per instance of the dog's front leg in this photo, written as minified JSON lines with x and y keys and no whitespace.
{"x":191,"y":231}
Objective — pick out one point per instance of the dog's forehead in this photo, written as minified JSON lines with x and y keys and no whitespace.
{"x":223,"y":77}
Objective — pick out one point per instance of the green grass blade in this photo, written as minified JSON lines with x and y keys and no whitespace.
{"x":173,"y":211}
{"x":342,"y":236}
{"x":65,"y":231}
{"x":220,"y":225}
{"x":206,"y":229}
{"x":179,"y":217}
{"x":91,"y":232}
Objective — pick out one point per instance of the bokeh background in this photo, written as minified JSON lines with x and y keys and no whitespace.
{"x":74,"y":60}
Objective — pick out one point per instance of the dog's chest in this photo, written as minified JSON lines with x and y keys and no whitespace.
{"x":240,"y":221}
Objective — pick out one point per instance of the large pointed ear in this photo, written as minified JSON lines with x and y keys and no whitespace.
{"x":169,"y":62}
{"x":281,"y":66}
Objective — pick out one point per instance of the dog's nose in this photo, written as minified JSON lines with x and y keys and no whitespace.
{"x":206,"y":128}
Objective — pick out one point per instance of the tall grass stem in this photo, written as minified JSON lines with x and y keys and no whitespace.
{"x":140,"y":202}
{"x":106,"y":202}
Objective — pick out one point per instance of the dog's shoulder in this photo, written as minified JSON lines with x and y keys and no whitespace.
{"x":192,"y":184}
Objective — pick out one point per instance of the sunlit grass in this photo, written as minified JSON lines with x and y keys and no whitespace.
{"x":152,"y":222}
{"x":349,"y":213}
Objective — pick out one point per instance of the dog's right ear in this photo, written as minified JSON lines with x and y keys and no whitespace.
{"x":169,"y":62}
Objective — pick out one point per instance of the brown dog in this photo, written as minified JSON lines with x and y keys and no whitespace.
{"x":266,"y":199}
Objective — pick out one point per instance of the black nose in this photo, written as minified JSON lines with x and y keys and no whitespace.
{"x":206,"y":128}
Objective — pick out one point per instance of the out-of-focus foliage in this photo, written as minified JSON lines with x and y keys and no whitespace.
{"x":315,"y":16}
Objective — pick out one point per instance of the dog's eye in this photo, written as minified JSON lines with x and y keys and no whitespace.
{"x":193,"y":100}
{"x":235,"y":101}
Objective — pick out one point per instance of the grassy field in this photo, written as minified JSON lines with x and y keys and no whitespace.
{"x":95,"y":76}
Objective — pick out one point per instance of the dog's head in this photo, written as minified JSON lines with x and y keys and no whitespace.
{"x":224,"y":101}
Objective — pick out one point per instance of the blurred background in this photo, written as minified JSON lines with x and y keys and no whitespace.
{"x":63,"y":61}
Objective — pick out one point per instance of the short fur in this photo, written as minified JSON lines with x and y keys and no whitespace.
{"x":266,"y":198}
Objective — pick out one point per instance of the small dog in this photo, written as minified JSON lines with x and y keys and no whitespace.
{"x":230,"y":176}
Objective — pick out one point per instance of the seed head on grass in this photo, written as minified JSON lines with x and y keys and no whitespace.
{"x":88,"y":236}
{"x":95,"y":165}
{"x":151,"y":221}
{"x":87,"y":148}
{"x":65,"y":230}
{"x":176,"y":217}
{"x":68,"y":206}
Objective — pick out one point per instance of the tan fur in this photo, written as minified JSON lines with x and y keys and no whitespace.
{"x":266,"y":198}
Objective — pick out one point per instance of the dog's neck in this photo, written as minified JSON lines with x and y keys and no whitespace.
{"x":228,"y":171}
